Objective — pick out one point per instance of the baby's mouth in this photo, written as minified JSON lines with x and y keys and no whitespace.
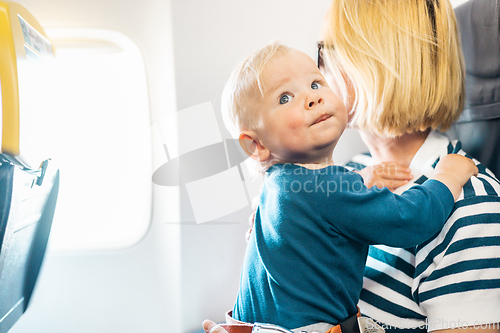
{"x":322,"y":118}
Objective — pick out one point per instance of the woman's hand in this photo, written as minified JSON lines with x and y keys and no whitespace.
{"x":389,"y":174}
{"x":211,"y":327}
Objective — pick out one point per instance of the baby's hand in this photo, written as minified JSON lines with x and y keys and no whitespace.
{"x":461,"y":167}
{"x":454,"y":171}
{"x":390,"y":175}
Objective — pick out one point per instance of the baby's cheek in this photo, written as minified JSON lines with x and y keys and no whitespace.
{"x":293,"y":134}
{"x":295,"y":123}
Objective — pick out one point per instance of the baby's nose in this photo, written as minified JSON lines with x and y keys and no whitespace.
{"x":318,"y":100}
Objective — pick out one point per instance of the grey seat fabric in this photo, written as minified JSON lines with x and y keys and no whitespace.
{"x":479,"y":125}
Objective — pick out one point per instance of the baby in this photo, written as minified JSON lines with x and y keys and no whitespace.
{"x":315,"y":220}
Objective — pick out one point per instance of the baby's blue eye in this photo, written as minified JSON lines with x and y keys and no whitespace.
{"x":315,"y":85}
{"x":285,"y":98}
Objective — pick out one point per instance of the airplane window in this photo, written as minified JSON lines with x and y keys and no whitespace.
{"x":99,"y":132}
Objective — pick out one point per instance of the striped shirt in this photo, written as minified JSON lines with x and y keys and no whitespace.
{"x":453,"y":279}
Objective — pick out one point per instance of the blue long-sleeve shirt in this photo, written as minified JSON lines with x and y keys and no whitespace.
{"x":306,"y":255}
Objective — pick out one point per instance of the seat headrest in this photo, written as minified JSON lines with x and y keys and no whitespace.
{"x":479,"y":26}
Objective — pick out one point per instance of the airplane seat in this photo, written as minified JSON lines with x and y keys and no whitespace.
{"x":29,"y":184}
{"x":478,"y":128}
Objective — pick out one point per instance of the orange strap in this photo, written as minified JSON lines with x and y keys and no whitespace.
{"x":235,"y":326}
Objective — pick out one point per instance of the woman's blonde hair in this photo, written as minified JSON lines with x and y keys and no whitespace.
{"x":242,"y":93}
{"x":403,"y":60}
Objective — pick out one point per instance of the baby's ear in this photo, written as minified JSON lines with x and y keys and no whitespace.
{"x":253,"y":147}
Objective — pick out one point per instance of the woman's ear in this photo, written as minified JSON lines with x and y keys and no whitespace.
{"x":253,"y":147}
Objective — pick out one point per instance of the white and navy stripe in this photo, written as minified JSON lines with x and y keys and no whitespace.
{"x":453,"y":276}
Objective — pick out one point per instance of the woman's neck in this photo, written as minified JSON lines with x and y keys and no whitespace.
{"x":317,"y":164}
{"x":401,"y":149}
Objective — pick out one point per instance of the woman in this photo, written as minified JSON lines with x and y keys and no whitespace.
{"x":399,"y":68}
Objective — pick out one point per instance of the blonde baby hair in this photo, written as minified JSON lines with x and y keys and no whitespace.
{"x":244,"y":86}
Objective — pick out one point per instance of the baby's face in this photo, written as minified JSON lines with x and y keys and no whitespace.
{"x":302,"y":117}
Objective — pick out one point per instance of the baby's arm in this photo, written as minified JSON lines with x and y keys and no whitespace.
{"x":454,"y":171}
{"x":390,"y":175}
{"x":383,"y":217}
